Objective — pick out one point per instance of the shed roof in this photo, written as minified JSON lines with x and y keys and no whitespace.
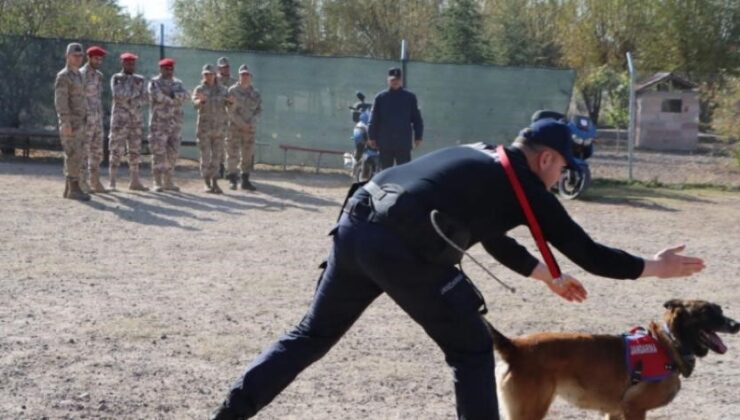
{"x":662,"y":77}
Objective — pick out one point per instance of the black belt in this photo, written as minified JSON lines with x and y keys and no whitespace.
{"x":360,"y":208}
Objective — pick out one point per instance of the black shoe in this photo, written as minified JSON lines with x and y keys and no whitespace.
{"x":224,"y":413}
{"x":233,"y":180}
{"x":246,"y":185}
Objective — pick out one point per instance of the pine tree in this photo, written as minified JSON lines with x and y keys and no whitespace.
{"x":292,"y":13}
{"x":460,"y":34}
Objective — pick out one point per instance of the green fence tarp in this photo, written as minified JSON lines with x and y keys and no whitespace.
{"x":305,"y":98}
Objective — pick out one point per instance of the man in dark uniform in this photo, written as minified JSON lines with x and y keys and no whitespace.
{"x":395,"y":113}
{"x":384,"y":242}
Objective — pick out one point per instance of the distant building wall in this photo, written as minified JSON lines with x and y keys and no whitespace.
{"x":667,"y":120}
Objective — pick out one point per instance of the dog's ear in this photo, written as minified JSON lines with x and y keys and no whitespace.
{"x":674,"y":303}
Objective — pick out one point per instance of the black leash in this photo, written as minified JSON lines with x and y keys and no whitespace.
{"x":432,"y":217}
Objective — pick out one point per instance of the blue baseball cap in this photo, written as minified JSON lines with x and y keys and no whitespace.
{"x":553,"y":134}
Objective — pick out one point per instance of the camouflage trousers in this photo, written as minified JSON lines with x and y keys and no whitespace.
{"x":239,"y":149}
{"x":93,"y":147}
{"x":211,"y":147}
{"x":121,"y":137}
{"x":165,"y":147}
{"x":73,"y":147}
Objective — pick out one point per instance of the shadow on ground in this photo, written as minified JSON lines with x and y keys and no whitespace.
{"x":640,"y":196}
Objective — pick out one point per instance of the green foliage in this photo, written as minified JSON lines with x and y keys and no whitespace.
{"x":460,"y":34}
{"x":262,"y":25}
{"x":727,"y":113}
{"x":292,"y":12}
{"x":80,"y":19}
{"x":616,"y":113}
{"x":522,"y":32}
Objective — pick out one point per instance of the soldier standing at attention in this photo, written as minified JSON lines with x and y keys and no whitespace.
{"x":224,"y":79}
{"x":243,"y":117}
{"x":71,"y":107}
{"x":167,"y":96}
{"x":92,"y":79}
{"x":126,"y":122}
{"x":210,"y":100}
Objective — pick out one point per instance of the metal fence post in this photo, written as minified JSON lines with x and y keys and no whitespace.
{"x":631,"y":131}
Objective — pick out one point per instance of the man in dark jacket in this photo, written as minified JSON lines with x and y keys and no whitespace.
{"x":395,"y":114}
{"x":385,"y":243}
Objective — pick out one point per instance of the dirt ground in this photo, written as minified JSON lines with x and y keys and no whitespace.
{"x":147,"y":306}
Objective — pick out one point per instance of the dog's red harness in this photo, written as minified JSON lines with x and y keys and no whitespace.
{"x":647,"y":359}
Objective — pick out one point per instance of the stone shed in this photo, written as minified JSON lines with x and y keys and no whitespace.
{"x":667,"y":113}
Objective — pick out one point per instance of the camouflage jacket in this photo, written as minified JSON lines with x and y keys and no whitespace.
{"x":226,"y":82}
{"x":69,"y":97}
{"x":211,"y":113}
{"x":93,"y":82}
{"x":246,"y":107}
{"x":167,"y":97}
{"x":129,"y":97}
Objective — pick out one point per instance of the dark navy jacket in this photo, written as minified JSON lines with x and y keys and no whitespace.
{"x":394,"y":114}
{"x":469,"y":184}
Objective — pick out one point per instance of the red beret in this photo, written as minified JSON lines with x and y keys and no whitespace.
{"x":128,"y":56}
{"x":96,"y":52}
{"x":166,"y":62}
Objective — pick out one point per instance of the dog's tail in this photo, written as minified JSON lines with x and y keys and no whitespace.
{"x":503,"y":345}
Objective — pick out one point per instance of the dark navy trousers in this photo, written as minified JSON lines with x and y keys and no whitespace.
{"x":390,"y":157}
{"x":368,"y":259}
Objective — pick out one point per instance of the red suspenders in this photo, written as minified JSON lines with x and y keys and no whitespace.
{"x":534,"y":226}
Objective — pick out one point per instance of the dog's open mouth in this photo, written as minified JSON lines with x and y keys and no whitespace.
{"x":712,"y":340}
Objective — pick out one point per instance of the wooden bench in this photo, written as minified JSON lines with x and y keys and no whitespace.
{"x":320,"y":152}
{"x":27,"y":139}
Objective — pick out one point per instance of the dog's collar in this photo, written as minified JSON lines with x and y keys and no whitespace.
{"x":683,"y":358}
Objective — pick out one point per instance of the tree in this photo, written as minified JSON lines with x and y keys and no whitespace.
{"x":460,"y":34}
{"x":727,"y":114}
{"x":523,"y":32}
{"x":266,"y":25}
{"x":100,"y":20}
{"x":261,"y":27}
{"x":293,"y":15}
{"x":24,"y":96}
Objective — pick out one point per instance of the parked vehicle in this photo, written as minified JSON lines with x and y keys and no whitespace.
{"x":364,"y":162}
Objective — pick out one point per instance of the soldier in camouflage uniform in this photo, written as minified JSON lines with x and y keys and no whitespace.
{"x":210,"y":100}
{"x":224,"y":79}
{"x":92,"y":79}
{"x":243,"y":117}
{"x":71,"y":107}
{"x":126,"y":122}
{"x":167,"y":96}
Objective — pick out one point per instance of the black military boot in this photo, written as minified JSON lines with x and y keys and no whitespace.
{"x":209,"y":187}
{"x":233,"y":180}
{"x":76,"y":193}
{"x":246,"y":185}
{"x":215,"y":188}
{"x":225,"y":413}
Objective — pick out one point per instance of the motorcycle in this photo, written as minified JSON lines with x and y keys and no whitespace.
{"x":573,"y":182}
{"x":365,"y":161}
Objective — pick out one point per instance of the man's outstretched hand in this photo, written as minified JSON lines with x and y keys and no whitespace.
{"x":568,"y":288}
{"x":668,"y":263}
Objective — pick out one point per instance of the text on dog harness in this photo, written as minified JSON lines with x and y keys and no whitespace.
{"x":646,"y":359}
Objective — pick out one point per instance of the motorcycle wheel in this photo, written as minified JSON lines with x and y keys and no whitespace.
{"x":573,"y":183}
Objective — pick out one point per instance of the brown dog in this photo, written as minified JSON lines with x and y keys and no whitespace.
{"x":591,"y":371}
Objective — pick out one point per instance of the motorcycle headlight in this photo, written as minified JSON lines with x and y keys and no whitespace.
{"x":577,"y":140}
